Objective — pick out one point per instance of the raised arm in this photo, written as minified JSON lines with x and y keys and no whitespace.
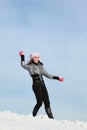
{"x":23,"y":64}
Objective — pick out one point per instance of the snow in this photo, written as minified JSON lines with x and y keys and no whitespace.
{"x":15,"y":121}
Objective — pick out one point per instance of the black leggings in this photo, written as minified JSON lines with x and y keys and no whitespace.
{"x":41,"y":95}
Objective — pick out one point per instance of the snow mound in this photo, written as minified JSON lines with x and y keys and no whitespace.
{"x":14,"y":121}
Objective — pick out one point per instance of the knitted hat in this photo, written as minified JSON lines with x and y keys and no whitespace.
{"x":32,"y":55}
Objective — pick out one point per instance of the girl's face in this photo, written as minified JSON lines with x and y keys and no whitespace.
{"x":36,"y":59}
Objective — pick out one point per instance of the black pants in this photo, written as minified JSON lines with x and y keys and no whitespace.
{"x":41,"y":95}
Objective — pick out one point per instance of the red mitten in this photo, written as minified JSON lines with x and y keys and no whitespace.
{"x":61,"y":79}
{"x":21,"y":53}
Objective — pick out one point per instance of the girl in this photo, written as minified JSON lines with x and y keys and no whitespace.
{"x":36,"y":71}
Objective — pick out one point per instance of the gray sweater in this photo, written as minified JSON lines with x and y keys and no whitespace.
{"x":36,"y":69}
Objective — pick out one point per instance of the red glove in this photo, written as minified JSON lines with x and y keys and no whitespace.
{"x":21,"y":53}
{"x":61,"y":79}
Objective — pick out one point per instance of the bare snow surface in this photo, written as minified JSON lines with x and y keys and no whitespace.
{"x":14,"y":121}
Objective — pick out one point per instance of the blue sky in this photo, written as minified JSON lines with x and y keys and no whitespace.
{"x":57,"y":30}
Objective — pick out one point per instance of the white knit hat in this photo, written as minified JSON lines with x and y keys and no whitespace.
{"x":32,"y":55}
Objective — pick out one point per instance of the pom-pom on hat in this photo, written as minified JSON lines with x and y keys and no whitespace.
{"x":32,"y":55}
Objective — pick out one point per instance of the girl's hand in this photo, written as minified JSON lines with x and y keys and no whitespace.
{"x":21,"y":53}
{"x":61,"y":79}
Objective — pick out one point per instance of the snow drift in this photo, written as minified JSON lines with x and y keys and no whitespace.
{"x":14,"y":121}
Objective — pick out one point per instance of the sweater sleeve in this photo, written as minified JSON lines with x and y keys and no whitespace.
{"x":46,"y":74}
{"x":27,"y":67}
{"x":49,"y":75}
{"x":56,"y":77}
{"x":23,"y":64}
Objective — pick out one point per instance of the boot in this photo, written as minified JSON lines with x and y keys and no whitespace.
{"x":35,"y":110}
{"x":49,"y":112}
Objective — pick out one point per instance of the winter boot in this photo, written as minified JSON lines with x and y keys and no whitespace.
{"x":35,"y":110}
{"x":49,"y":112}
